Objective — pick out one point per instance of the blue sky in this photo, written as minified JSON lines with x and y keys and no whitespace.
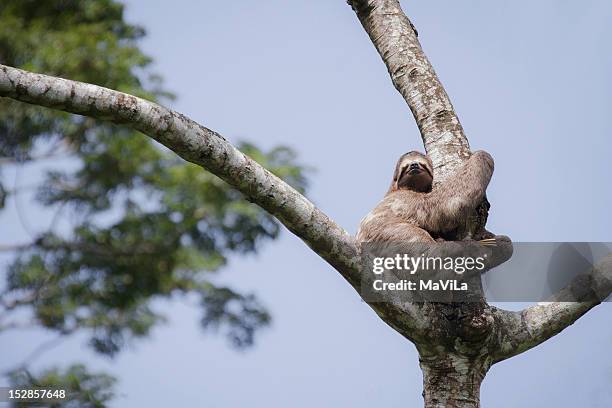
{"x":530,"y":82}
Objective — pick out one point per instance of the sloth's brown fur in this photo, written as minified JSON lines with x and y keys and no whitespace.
{"x":413,"y":211}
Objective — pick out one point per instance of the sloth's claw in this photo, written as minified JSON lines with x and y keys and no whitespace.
{"x":488,"y":242}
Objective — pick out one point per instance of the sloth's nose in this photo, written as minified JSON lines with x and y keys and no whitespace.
{"x":414,"y":166}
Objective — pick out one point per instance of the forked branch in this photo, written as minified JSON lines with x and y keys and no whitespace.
{"x":396,"y":40}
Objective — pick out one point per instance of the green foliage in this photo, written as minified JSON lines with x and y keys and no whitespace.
{"x":81,"y":40}
{"x":83,"y":389}
{"x":239,"y":314}
{"x":144,"y":224}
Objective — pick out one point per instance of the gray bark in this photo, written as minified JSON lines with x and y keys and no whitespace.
{"x":396,"y":40}
{"x":457,"y":343}
{"x":521,"y":331}
{"x":453,"y":381}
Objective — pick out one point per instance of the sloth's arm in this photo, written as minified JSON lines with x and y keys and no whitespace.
{"x":447,"y":206}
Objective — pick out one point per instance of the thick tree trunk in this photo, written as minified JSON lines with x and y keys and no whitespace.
{"x":457,"y":354}
{"x":452,"y":381}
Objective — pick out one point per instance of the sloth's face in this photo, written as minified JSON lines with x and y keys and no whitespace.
{"x":414,"y":172}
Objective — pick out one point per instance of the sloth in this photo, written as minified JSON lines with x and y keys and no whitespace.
{"x":415,"y":211}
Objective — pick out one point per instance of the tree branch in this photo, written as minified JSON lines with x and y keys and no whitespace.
{"x":534,"y":325}
{"x":413,"y":76}
{"x":196,"y":144}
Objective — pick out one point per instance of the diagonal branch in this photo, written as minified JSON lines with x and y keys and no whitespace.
{"x":196,"y":144}
{"x":534,"y":325}
{"x":413,"y":76}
